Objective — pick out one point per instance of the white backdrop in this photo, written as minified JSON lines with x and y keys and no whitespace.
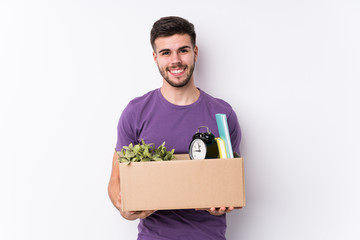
{"x":290,"y":69}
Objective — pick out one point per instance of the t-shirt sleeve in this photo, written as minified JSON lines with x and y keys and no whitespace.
{"x":126,"y":129}
{"x":235,"y":131}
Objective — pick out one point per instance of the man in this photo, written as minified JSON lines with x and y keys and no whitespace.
{"x":173,"y":114}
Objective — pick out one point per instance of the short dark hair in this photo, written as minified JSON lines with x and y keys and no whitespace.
{"x":168,"y":26}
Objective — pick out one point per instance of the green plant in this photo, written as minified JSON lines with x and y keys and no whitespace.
{"x":144,"y":153}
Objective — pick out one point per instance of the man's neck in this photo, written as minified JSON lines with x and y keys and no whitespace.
{"x":180,"y":96}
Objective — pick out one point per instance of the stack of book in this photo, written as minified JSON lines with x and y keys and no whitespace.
{"x":223,"y":141}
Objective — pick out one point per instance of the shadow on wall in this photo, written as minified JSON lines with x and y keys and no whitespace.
{"x":236,"y":224}
{"x":202,"y":71}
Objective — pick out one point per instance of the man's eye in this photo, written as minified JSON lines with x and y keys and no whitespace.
{"x":165,"y":53}
{"x":183,"y":50}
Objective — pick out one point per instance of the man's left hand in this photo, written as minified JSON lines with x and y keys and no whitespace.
{"x":218,"y":211}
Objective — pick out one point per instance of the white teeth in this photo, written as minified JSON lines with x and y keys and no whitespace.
{"x":177,"y":71}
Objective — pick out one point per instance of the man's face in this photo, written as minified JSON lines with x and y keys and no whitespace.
{"x":175,"y":57}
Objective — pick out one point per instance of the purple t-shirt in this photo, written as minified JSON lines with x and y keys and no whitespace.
{"x":152,"y":118}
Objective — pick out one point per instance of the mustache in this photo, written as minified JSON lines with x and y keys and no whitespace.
{"x":176,"y":66}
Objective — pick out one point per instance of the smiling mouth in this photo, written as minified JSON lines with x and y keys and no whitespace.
{"x":177,"y":71}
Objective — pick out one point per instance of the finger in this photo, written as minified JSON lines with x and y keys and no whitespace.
{"x":215,"y":211}
{"x":229,"y":209}
{"x":222,"y":210}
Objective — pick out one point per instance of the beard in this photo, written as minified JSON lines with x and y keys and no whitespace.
{"x":165,"y":75}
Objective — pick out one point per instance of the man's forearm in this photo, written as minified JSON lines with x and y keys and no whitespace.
{"x":113,"y":191}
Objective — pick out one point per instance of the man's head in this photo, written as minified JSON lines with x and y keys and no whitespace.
{"x":168,"y":26}
{"x":175,"y":52}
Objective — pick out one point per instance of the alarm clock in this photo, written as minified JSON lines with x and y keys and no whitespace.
{"x":203,"y":145}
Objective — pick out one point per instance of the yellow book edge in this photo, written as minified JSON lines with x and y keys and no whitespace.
{"x":221,"y":146}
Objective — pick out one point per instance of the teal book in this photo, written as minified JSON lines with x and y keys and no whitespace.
{"x":224,"y":133}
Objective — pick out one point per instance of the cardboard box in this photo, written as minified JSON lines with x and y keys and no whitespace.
{"x":182,"y":184}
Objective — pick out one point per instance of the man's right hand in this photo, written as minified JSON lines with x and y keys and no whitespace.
{"x":132,"y":215}
{"x":115,"y":197}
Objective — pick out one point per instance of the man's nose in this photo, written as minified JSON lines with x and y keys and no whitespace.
{"x":175,"y":58}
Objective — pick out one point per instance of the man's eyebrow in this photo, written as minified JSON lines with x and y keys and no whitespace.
{"x":164,"y":50}
{"x":168,"y":50}
{"x":184,"y":47}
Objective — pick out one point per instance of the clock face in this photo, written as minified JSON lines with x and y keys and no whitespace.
{"x":197,"y":149}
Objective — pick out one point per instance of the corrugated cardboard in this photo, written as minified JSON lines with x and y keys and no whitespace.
{"x":182,"y":184}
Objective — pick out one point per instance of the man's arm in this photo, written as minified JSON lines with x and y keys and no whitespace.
{"x":114,"y":193}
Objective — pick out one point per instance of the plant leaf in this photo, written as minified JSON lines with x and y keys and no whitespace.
{"x":124,"y":160}
{"x":136,"y":148}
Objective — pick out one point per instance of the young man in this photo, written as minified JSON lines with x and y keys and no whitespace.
{"x":173,"y":114}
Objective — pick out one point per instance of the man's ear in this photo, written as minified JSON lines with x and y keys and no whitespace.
{"x":196,"y":49}
{"x":154,"y":56}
